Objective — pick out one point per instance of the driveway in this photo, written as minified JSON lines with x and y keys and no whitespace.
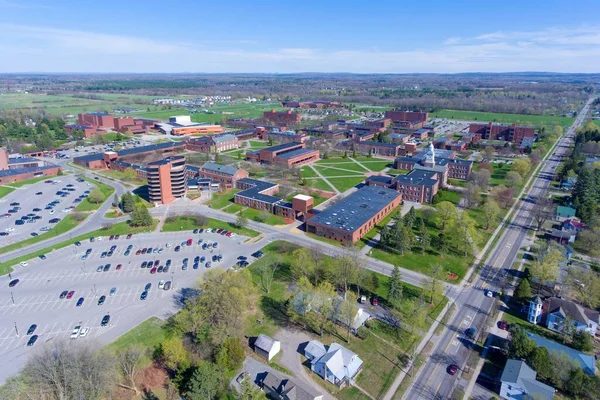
{"x":291,"y":341}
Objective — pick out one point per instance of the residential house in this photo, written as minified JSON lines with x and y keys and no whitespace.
{"x":572,"y":225}
{"x":266,"y":347}
{"x":587,"y":362}
{"x":562,"y":237}
{"x":338,"y":365}
{"x":518,"y":382}
{"x":278,"y":387}
{"x":557,"y":310}
{"x":564,"y":212}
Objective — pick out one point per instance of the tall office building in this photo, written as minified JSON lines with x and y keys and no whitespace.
{"x":166,"y":180}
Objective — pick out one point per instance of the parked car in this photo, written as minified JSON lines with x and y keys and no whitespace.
{"x":32,"y":340}
{"x":75,"y":332}
{"x":105,"y":320}
{"x":452,"y":369}
{"x":144,"y":295}
{"x":31,"y":329}
{"x":70,"y":294}
{"x":80,"y":302}
{"x":63,"y":294}
{"x":112,"y":291}
{"x":101,"y":300}
{"x":13,"y":283}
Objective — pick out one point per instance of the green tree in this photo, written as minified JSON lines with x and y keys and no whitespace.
{"x":582,"y":341}
{"x":207,"y":382}
{"x":127,"y":202}
{"x":410,"y":218}
{"x":522,"y":292}
{"x":129,"y":174}
{"x":521,"y":346}
{"x":140,"y":216}
{"x":491,"y":211}
{"x":249,"y":391}
{"x":465,"y":233}
{"x":433,"y":286}
{"x":115,"y":202}
{"x":174,"y":354}
{"x":353,"y":153}
{"x":447,"y":213}
{"x":546,"y":267}
{"x":346,"y":313}
{"x":95,"y":196}
{"x":230,"y":354}
{"x":513,"y":179}
{"x":539,"y":360}
{"x":241,"y":221}
{"x":521,"y":166}
{"x":395,"y":288}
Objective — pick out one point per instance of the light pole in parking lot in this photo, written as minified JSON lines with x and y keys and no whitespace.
{"x":95,"y":291}
{"x":12,"y":298}
{"x":16,"y":330}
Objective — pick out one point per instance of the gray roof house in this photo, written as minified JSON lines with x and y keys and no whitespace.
{"x":266,"y":347}
{"x":518,"y":382}
{"x":337,"y":365}
{"x":278,"y":387}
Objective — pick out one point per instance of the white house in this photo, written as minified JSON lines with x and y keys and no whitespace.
{"x":554,"y":311}
{"x":336,"y":365}
{"x":266,"y":347}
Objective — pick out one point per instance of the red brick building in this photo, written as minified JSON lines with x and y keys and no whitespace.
{"x":166,"y":180}
{"x":213,"y":144}
{"x":282,"y":117}
{"x":225,"y":175}
{"x":351,"y":218}
{"x":97,"y":119}
{"x":104,"y":160}
{"x":377,"y":148}
{"x":408,"y":119}
{"x":508,"y":133}
{"x":290,"y":155}
{"x":22,"y":169}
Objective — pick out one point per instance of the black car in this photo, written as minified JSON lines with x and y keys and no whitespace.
{"x":177,"y":248}
{"x":63,"y":294}
{"x":36,"y":209}
{"x":105,"y":320}
{"x":195,"y":231}
{"x":195,"y":266}
{"x":167,"y":285}
{"x":147,"y":287}
{"x":257,"y":254}
{"x":168,"y":263}
{"x":32,"y":340}
{"x":106,"y":267}
{"x":160,"y":269}
{"x":242,"y":258}
{"x":34,"y":234}
{"x":13,"y":283}
{"x":144,"y":264}
{"x":165,"y":269}
{"x":19,"y":222}
{"x":78,"y":243}
{"x":54,"y":220}
{"x":42,"y":256}
{"x":101,"y":300}
{"x":31,"y":329}
{"x":143,"y":295}
{"x":197,"y":258}
{"x":14,"y":204}
{"x":3,"y":233}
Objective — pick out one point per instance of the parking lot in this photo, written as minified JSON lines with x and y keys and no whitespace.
{"x":25,"y":212}
{"x":36,"y":298}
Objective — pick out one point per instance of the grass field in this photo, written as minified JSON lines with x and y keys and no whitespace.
{"x":120,"y":228}
{"x":222,"y":199}
{"x":106,"y":191}
{"x":233,"y":208}
{"x":236,"y":110}
{"x":185,"y":223}
{"x":30,"y":181}
{"x":377,"y":166}
{"x":5,"y":190}
{"x":149,"y":335}
{"x":308,"y":172}
{"x":341,"y":169}
{"x":502,"y":118}
{"x":255,"y":215}
{"x":343,"y":184}
{"x":318,"y":183}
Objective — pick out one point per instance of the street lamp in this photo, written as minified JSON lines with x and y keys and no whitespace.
{"x":16,"y":330}
{"x":12,"y":298}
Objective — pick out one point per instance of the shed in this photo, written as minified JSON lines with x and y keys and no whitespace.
{"x":266,"y":347}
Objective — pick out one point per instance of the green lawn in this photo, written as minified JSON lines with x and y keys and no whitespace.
{"x":185,"y":223}
{"x":318,"y":183}
{"x":270,"y":219}
{"x":120,"y":228}
{"x":149,"y":335}
{"x":500,"y":171}
{"x":446,"y":195}
{"x":106,"y":191}
{"x":122,"y":176}
{"x":308,"y":172}
{"x":341,"y":169}
{"x":398,"y":171}
{"x":31,"y":181}
{"x":377,"y":166}
{"x":258,"y":145}
{"x":5,"y":190}
{"x":343,"y":184}
{"x":502,"y":118}
{"x":222,"y":199}
{"x":232,"y":209}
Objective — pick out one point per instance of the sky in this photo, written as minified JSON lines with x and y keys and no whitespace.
{"x":264,"y":36}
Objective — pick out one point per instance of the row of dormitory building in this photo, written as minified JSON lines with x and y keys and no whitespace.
{"x":19,"y":169}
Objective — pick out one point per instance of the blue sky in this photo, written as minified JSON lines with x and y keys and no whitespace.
{"x":299,"y":36}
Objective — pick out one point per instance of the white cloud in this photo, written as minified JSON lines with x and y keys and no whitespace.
{"x":63,"y":50}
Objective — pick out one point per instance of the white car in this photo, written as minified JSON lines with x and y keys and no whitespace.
{"x":168,"y":245}
{"x":23,"y":263}
{"x":99,"y":238}
{"x":75,"y":332}
{"x":161,"y":284}
{"x":489,"y":293}
{"x":84,"y":331}
{"x":45,"y":229}
{"x":66,"y":210}
{"x":11,"y":229}
{"x":52,"y":212}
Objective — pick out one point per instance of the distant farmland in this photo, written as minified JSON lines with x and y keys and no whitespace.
{"x":502,"y":118}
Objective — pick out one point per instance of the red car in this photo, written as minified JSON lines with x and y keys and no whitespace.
{"x":452,"y":369}
{"x":111,"y":237}
{"x":189,"y":242}
{"x":229,"y":234}
{"x":503,"y":325}
{"x":119,"y":267}
{"x":70,"y":294}
{"x":144,"y":250}
{"x":137,"y":253}
{"x":219,"y":231}
{"x":153,"y":270}
{"x":375,"y":301}
{"x":129,"y":236}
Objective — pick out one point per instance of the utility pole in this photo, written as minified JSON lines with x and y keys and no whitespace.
{"x":12,"y":298}
{"x":16,"y":330}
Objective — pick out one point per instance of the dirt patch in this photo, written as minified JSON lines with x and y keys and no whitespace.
{"x":451,"y":276}
{"x":152,"y":377}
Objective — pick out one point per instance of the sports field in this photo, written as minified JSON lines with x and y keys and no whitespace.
{"x":502,"y":118}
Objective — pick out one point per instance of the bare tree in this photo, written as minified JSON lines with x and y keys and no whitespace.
{"x":543,"y":209}
{"x":128,"y":360}
{"x":267,"y":274}
{"x":345,"y":269}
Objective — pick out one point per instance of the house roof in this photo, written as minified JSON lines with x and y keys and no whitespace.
{"x":254,"y":192}
{"x":572,"y":310}
{"x":315,"y":348}
{"x":585,"y":361}
{"x":265,"y":342}
{"x":291,"y":389}
{"x":574,"y":223}
{"x":520,"y":374}
{"x":214,"y":167}
{"x":17,"y":171}
{"x":338,"y":360}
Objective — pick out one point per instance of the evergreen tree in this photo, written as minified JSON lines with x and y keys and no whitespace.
{"x":522,"y":291}
{"x":140,"y":216}
{"x":410,"y":218}
{"x":395,"y":287}
{"x":127,"y":202}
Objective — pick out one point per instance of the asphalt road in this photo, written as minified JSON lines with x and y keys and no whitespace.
{"x":35,"y":299}
{"x":473,"y":306}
